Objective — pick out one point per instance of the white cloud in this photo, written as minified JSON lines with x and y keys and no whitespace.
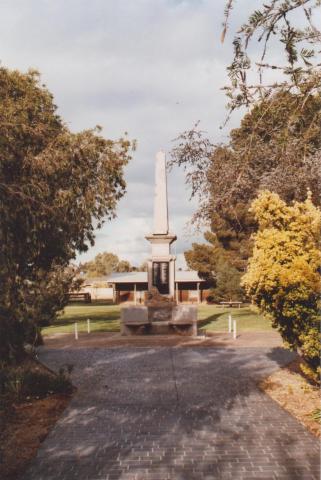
{"x":151,"y":68}
{"x":125,"y":240}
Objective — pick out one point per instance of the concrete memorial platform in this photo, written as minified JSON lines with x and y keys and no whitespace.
{"x":159,"y":319}
{"x":133,"y":319}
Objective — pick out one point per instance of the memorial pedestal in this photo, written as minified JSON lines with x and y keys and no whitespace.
{"x":180,"y":320}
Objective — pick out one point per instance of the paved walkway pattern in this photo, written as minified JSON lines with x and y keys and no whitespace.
{"x":173,"y":413}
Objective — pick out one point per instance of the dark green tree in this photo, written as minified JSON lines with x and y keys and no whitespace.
{"x":212,"y":263}
{"x":277,"y":146}
{"x":56,"y":187}
{"x":278,"y":143}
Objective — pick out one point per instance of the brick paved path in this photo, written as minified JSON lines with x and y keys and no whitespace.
{"x":173,"y":413}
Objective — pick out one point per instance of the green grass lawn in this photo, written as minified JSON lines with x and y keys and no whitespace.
{"x":248,"y":320}
{"x":106,"y":318}
{"x":103,"y":318}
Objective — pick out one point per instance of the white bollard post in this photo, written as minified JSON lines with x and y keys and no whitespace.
{"x":76,"y":331}
{"x":234,"y":329}
{"x":88,"y":325}
{"x":230,"y":323}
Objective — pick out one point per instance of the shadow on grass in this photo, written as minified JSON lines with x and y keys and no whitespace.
{"x":93,"y":303}
{"x":246,"y":320}
{"x":244,"y":314}
{"x":206,"y":321}
{"x":96,"y":317}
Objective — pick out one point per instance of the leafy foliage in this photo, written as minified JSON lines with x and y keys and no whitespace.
{"x":227,"y":285}
{"x":143,"y":267}
{"x":316,"y":414}
{"x":104,"y":264}
{"x":298,"y":65}
{"x":283,"y":276}
{"x":203,"y":257}
{"x":19,"y":383}
{"x":278,"y":143}
{"x":55,"y":188}
{"x":124,"y":266}
{"x":277,"y":146}
{"x":211,"y":262}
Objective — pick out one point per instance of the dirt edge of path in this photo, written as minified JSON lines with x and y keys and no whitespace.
{"x":24,"y":425}
{"x":288,"y":387}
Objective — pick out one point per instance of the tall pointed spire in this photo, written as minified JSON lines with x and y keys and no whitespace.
{"x":161,"y":265}
{"x":160,"y":199}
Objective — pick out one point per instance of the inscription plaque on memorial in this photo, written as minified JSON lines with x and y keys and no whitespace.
{"x":161,"y":277}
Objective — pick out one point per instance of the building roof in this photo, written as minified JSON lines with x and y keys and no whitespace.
{"x":128,"y":277}
{"x":141,"y":277}
{"x":102,"y":279}
{"x":187,"y":276}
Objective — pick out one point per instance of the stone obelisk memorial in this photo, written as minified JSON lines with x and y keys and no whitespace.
{"x":160,"y":314}
{"x":161,"y":265}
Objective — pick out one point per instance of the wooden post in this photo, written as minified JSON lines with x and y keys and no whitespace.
{"x":135,"y":298}
{"x":76,"y":331}
{"x":88,"y":325}
{"x":198,"y":292}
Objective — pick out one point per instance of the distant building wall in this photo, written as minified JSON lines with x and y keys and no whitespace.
{"x":125,"y":292}
{"x":125,"y":287}
{"x":187,"y":292}
{"x":99,"y":293}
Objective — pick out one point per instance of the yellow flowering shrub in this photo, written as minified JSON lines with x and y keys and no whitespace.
{"x":283,"y":275}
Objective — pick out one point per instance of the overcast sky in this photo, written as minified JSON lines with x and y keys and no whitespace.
{"x":148,"y":67}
